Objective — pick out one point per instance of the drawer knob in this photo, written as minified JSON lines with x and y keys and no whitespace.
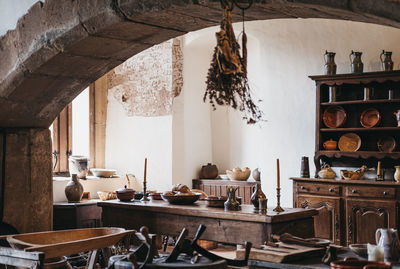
{"x":317,"y":188}
{"x":385,"y":193}
{"x":302,"y":187}
{"x":331,"y":190}
{"x":354,"y":191}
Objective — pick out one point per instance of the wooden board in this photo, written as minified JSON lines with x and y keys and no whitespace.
{"x":280,"y":255}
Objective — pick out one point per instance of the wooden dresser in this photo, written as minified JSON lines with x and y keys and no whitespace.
{"x":218,"y":187}
{"x":350,"y":211}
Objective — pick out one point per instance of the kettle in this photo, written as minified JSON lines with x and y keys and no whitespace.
{"x":389,"y":240}
{"x":326,"y":172}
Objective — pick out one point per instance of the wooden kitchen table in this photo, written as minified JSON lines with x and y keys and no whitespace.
{"x":222,"y":226}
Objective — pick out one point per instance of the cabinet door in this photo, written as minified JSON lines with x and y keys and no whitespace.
{"x":365,"y":216}
{"x":327,"y":222}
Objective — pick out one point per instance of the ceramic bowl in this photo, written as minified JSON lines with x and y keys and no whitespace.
{"x":106,"y":195}
{"x":238,"y":174}
{"x":125,"y":194}
{"x":155,"y":196}
{"x":101,"y":172}
{"x":370,"y":118}
{"x":386,"y":144}
{"x":359,"y":249}
{"x":352,"y":263}
{"x":350,"y":142}
{"x":181,"y":199}
{"x":216,"y":201}
{"x":334,"y":116}
{"x":224,"y":177}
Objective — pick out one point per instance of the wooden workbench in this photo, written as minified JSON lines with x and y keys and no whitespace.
{"x":222,"y":226}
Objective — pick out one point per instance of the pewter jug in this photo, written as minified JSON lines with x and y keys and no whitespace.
{"x":257,"y":194}
{"x":387,"y":63}
{"x":356,"y":63}
{"x":389,"y":240}
{"x":330,"y":66}
{"x":231,"y":203}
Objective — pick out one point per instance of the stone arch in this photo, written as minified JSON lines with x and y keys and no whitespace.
{"x":59,"y":47}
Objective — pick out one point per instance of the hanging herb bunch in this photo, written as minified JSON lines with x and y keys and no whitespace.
{"x":227,"y":82}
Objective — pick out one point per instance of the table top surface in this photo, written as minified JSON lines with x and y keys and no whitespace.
{"x":200,"y":209}
{"x":348,"y":182}
{"x":76,"y":204}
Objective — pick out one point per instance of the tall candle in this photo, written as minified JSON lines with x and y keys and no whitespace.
{"x":278,"y":175}
{"x":145,"y":168}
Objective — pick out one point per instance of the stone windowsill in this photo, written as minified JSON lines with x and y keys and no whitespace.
{"x":60,"y":178}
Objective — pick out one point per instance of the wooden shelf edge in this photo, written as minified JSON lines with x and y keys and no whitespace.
{"x":378,"y":101}
{"x":360,"y":129}
{"x":358,"y":154}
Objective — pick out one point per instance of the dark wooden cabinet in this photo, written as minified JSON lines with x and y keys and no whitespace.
{"x":350,"y":211}
{"x":85,"y":214}
{"x":218,"y":187}
{"x":355,"y":93}
{"x":364,"y":217}
{"x":327,"y":222}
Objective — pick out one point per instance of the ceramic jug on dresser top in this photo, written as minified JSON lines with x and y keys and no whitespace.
{"x":389,"y":240}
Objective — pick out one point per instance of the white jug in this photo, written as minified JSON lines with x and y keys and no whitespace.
{"x":389,"y":240}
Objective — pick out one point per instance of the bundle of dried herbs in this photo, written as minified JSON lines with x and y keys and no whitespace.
{"x":227,"y":82}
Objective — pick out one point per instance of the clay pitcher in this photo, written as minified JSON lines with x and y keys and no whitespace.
{"x":397,"y":114}
{"x":231,"y":203}
{"x":209,"y":171}
{"x":257,"y":194}
{"x":330,"y":66}
{"x":356,"y":64}
{"x":74,"y":190}
{"x":387,"y":63}
{"x":389,"y":240}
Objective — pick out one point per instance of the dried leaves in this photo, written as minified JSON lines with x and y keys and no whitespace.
{"x":227,"y":82}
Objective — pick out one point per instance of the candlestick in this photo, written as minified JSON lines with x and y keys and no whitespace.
{"x":278,"y":208}
{"x":278,"y":175}
{"x":145,"y":198}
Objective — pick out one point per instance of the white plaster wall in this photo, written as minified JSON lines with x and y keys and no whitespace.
{"x":130,"y":139}
{"x":282,"y":54}
{"x":11,"y":11}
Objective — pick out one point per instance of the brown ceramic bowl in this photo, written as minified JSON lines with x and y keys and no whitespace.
{"x":125,"y":194}
{"x":354,"y":263}
{"x":181,"y":199}
{"x":350,"y":142}
{"x":155,"y":196}
{"x":386,"y":144}
{"x":334,"y":116}
{"x":370,"y":118}
{"x":214,"y":201}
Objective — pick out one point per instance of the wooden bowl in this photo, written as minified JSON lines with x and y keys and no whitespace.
{"x":155,"y":196}
{"x":370,"y":118}
{"x":350,"y":142}
{"x":334,"y":116}
{"x":181,"y":199}
{"x":214,"y":201}
{"x":238,"y":175}
{"x":386,"y":144}
{"x":359,"y":249}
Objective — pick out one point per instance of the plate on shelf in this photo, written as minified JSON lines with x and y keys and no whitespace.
{"x":334,"y":116}
{"x":386,"y":144}
{"x":349,"y":142}
{"x":370,"y":118}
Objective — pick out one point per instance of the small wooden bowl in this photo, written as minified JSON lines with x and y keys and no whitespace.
{"x":334,"y":116}
{"x":370,"y":118}
{"x":214,"y":201}
{"x":155,"y":196}
{"x":181,"y":199}
{"x":386,"y":144}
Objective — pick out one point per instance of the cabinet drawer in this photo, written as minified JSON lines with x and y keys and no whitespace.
{"x":317,"y":188}
{"x":370,"y":192}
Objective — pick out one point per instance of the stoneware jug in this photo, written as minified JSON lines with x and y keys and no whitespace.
{"x":256,"y":174}
{"x":387,"y":63}
{"x":330,"y":66}
{"x":389,"y":240}
{"x":257,"y":194}
{"x":356,"y":64}
{"x":397,"y":173}
{"x":397,"y":114}
{"x":231,"y":203}
{"x":74,"y":190}
{"x":79,"y":165}
{"x":209,"y":171}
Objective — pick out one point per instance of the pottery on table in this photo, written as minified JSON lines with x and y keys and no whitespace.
{"x":359,"y":249}
{"x":125,"y":194}
{"x":257,"y":195}
{"x":102,"y":172}
{"x":334,"y":116}
{"x":79,"y":165}
{"x":326,"y":172}
{"x":231,"y":203}
{"x":353,"y":263}
{"x":330,"y":144}
{"x":74,"y":190}
{"x":209,"y":171}
{"x":238,"y":174}
{"x":181,"y":199}
{"x":388,"y":239}
{"x":256,"y":174}
{"x":353,"y":175}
